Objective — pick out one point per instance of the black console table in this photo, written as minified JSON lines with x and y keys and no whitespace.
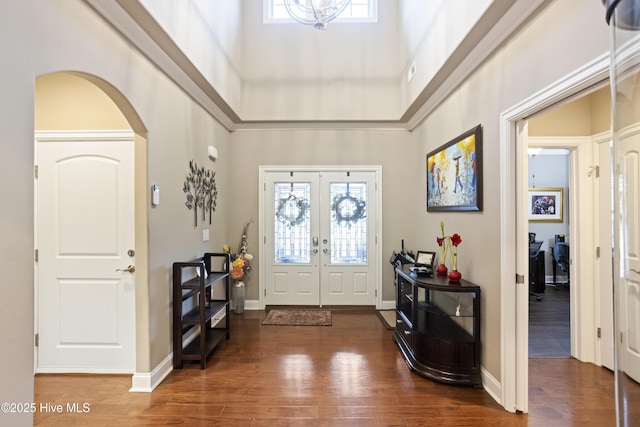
{"x":438,"y":327}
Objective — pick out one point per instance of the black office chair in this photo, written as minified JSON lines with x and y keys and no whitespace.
{"x":560,"y":253}
{"x":536,"y":267}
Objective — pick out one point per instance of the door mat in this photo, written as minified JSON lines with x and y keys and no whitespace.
{"x":388,"y":318}
{"x":298,"y":318}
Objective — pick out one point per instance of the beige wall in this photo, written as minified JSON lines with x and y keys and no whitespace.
{"x":430,"y":38}
{"x":601,"y":110}
{"x":572,"y":119}
{"x":585,"y":116}
{"x":393,"y":150}
{"x":68,"y":102}
{"x":564,"y":36}
{"x":61,"y":35}
{"x":16,"y":215}
{"x":218,"y":61}
{"x":311,"y":79}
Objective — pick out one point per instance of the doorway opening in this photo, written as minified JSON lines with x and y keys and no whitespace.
{"x":549,"y":265}
{"x":77,"y":117}
{"x":580,"y":125}
{"x":515,"y":256}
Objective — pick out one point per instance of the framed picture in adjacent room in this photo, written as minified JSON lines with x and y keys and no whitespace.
{"x":546,"y":204}
{"x":454,"y":174}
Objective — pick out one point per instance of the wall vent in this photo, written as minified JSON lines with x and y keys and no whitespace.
{"x":411,"y":72}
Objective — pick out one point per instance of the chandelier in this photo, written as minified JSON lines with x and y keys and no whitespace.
{"x":315,"y":12}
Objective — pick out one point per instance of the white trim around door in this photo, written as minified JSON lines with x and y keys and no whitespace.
{"x":514,"y":324}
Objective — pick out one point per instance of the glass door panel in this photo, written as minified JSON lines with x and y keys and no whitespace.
{"x":348,"y":222}
{"x":292,"y":225}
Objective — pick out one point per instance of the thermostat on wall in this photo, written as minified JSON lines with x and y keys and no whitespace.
{"x":155,"y":195}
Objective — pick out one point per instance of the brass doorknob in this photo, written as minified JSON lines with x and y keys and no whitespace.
{"x":129,"y":269}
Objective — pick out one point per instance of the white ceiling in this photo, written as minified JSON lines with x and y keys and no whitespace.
{"x":246,"y":73}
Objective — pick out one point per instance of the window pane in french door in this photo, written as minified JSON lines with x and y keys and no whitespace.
{"x":348,"y":222}
{"x":292,"y":226}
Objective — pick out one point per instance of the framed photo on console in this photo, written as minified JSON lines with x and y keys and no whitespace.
{"x":424,"y":263}
{"x":425,"y":259}
{"x":454,"y":174}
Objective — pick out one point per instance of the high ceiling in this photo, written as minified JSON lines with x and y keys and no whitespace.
{"x":248,"y":74}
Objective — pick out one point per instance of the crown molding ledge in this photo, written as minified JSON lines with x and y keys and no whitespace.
{"x":491,"y":31}
{"x":320,"y":125}
{"x":137,"y":26}
{"x":153,"y":43}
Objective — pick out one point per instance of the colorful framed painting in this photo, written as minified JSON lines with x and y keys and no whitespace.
{"x":454,"y":174}
{"x":545,"y":204}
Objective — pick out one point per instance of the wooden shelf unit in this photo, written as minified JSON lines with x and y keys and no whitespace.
{"x":195,"y":305}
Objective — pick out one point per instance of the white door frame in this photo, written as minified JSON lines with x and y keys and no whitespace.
{"x":604,"y":265}
{"x":514,"y":297}
{"x":263,"y":170}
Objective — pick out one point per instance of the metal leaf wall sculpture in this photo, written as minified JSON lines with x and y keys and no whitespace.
{"x":201,"y":191}
{"x":211,"y":193}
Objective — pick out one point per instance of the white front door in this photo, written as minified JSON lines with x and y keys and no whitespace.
{"x":85,"y":241}
{"x":320,"y":239}
{"x":629,"y":158}
{"x":292,"y":242}
{"x":347,"y":238}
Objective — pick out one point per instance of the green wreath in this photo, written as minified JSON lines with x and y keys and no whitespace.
{"x":284,"y":213}
{"x":346,"y":213}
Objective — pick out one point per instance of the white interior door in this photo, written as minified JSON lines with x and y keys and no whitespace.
{"x":629,"y":157}
{"x":320,"y":237}
{"x":85,"y":241}
{"x":604,"y":265}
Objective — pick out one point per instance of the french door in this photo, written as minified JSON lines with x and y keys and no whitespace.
{"x":320,"y":237}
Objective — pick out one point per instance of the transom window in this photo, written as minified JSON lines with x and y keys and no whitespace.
{"x":274,"y":11}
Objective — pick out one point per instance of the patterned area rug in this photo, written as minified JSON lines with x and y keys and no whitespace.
{"x":298,"y":318}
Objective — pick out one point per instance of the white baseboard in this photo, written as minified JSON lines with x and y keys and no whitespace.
{"x":254,"y":304}
{"x":145,"y":382}
{"x":560,"y":279}
{"x":388,"y":305}
{"x":491,"y":385}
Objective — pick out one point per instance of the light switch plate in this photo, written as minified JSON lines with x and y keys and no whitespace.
{"x":205,"y":235}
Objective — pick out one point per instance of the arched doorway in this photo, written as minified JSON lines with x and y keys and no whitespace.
{"x":85,"y":309}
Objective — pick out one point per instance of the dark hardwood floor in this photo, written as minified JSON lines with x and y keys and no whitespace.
{"x":549,"y":328}
{"x":348,"y":374}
